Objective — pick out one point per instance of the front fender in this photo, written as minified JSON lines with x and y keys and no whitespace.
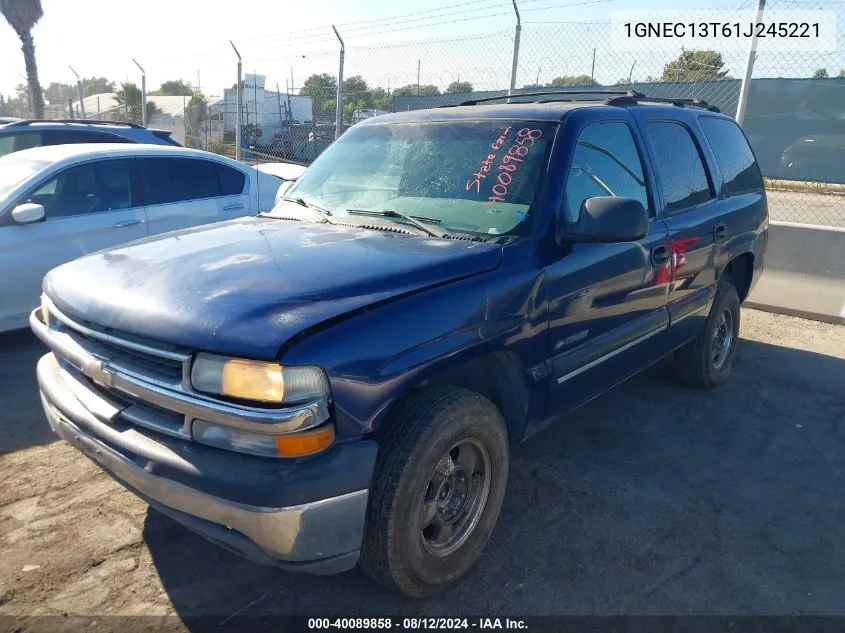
{"x":375,"y":357}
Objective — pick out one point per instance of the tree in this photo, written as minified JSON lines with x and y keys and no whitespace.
{"x":196,"y":113}
{"x":355,"y":89}
{"x":129,"y":98}
{"x":59,"y":93}
{"x":459,"y":87}
{"x":532,"y":86}
{"x":841,"y":72}
{"x":413,"y":90}
{"x":695,"y":66}
{"x":574,"y":80}
{"x":322,"y":89}
{"x":380,"y":99}
{"x":22,"y":15}
{"x":820,"y":73}
{"x":175,"y":88}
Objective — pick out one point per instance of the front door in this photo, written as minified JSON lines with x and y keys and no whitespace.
{"x":607,"y":302}
{"x":88,"y":207}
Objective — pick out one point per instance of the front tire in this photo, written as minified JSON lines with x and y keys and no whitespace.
{"x":439,"y":483}
{"x":706,"y":361}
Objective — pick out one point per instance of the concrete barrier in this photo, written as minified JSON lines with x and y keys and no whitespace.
{"x":804,"y":273}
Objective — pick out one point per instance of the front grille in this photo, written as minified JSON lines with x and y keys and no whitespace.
{"x":140,"y":363}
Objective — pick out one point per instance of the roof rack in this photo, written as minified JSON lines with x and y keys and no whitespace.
{"x":618,"y":98}
{"x":634,"y":98}
{"x":520,"y":95}
{"x":25,"y":122}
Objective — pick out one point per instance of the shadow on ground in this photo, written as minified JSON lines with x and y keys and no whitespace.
{"x":652,"y":499}
{"x":22,"y":421}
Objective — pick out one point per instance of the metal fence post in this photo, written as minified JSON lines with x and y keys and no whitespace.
{"x":742,"y":103}
{"x":143,"y":94}
{"x":79,"y":86}
{"x":338,"y":122}
{"x":239,"y":114}
{"x":515,"y":49}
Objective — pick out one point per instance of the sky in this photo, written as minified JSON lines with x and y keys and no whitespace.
{"x":189,"y":39}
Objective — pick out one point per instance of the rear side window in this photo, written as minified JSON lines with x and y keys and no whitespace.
{"x":17,"y":141}
{"x":605,"y":163}
{"x":733,"y":155}
{"x":231,"y":180}
{"x":179,"y":179}
{"x":679,"y":165}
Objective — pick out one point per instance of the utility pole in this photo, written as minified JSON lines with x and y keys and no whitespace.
{"x":631,"y":72}
{"x":143,"y":93}
{"x":418,"y":78}
{"x":338,"y":116}
{"x":516,"y":36}
{"x":238,"y":104}
{"x":742,"y":103}
{"x":79,"y":86}
{"x":593,"y":69}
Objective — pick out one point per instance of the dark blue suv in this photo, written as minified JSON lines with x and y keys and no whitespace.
{"x":26,"y":133}
{"x":340,"y":381}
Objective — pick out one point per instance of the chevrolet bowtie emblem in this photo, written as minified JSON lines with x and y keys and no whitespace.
{"x":96,"y":371}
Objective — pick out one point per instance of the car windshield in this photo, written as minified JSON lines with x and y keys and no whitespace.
{"x":479,"y":177}
{"x":14,"y":170}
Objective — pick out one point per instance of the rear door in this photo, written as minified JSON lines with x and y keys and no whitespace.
{"x":89,"y":207}
{"x":607,"y":302}
{"x":696,"y":217}
{"x":181,"y":192}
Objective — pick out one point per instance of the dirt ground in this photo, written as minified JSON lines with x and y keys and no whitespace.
{"x":654,"y":499}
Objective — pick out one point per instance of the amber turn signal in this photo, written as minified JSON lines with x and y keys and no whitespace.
{"x":306,"y":443}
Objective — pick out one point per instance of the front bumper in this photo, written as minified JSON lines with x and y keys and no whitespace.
{"x":321,"y":535}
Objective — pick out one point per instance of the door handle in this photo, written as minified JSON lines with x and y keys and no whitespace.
{"x":720,"y":232}
{"x":232,"y":207}
{"x":125,"y":223}
{"x":659,"y":255}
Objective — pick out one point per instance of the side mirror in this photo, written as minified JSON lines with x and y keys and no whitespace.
{"x":28,"y":213}
{"x":607,"y":219}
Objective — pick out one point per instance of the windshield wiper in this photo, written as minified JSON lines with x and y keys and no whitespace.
{"x":308,"y":205}
{"x":427,"y":225}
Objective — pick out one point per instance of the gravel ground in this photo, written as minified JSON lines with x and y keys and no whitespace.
{"x":653,"y":499}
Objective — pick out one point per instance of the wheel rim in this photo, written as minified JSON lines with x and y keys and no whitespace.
{"x":455,"y":497}
{"x":722,"y":339}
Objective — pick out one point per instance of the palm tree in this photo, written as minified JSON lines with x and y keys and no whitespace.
{"x":22,"y":15}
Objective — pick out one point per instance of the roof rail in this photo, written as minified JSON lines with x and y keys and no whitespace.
{"x":634,"y":99}
{"x":25,"y":122}
{"x":520,"y":95}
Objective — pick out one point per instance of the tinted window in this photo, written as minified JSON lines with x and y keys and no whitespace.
{"x":88,"y":188}
{"x":179,"y":179}
{"x":16,"y":142}
{"x":733,"y":155}
{"x":679,"y":166}
{"x":231,"y":180}
{"x":605,"y":163}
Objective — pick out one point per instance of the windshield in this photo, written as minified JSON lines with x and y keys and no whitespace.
{"x":14,"y":170}
{"x":479,"y":177}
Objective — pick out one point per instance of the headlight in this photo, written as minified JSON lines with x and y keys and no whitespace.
{"x":288,"y":445}
{"x":257,"y":380}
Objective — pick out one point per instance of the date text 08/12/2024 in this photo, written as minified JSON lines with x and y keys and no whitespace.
{"x":416,"y":624}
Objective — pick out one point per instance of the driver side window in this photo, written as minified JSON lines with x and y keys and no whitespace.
{"x":605,"y":163}
{"x":88,"y":188}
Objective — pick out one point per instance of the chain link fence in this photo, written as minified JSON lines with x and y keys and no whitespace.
{"x":289,"y":112}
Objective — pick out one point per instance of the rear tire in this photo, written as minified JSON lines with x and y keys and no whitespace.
{"x":706,"y":361}
{"x":439,"y":482}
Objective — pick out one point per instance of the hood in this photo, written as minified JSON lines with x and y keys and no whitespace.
{"x":246,"y":286}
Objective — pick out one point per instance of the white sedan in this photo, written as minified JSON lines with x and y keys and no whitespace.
{"x":60,"y":202}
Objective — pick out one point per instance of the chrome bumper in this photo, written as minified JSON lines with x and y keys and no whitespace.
{"x":319,"y":537}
